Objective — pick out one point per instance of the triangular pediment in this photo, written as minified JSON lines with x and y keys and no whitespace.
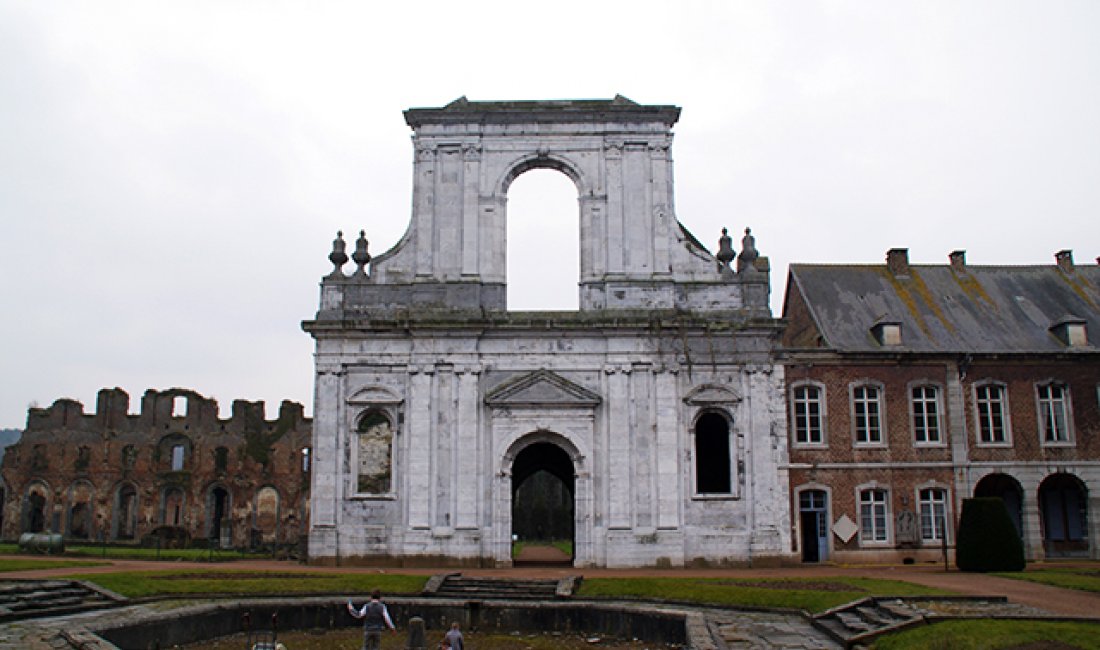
{"x":542,"y":389}
{"x":709,"y":394}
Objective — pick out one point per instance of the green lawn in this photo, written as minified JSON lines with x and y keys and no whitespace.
{"x":991,"y":635}
{"x":810,"y":594}
{"x":30,"y":564}
{"x":1082,"y":578}
{"x":261,"y":583}
{"x":139,"y":553}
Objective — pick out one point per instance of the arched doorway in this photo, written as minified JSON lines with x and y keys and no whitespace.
{"x":125,"y":517}
{"x":217,"y":509}
{"x":1063,"y":506}
{"x":813,"y":521}
{"x":543,"y":503}
{"x":80,"y":511}
{"x":1008,"y":490}
{"x":34,"y":508}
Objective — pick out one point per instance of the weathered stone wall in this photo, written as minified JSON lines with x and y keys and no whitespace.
{"x":115,"y":476}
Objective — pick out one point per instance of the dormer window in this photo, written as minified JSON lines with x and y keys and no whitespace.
{"x":1071,"y":331}
{"x":887,"y":332}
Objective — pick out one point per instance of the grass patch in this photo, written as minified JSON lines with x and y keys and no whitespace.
{"x":991,"y":635}
{"x":810,"y":594}
{"x":23,"y":564}
{"x":140,"y":553}
{"x":1083,"y":579}
{"x":136,"y":584}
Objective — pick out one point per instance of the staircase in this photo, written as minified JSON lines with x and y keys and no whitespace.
{"x":21,"y":599}
{"x":472,"y":588}
{"x":859,"y":622}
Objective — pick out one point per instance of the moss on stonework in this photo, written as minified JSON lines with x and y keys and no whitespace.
{"x":257,"y":443}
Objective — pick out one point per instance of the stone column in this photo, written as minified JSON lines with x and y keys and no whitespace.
{"x":468,"y":473}
{"x":668,"y":448}
{"x":619,"y":453}
{"x":418,"y":447}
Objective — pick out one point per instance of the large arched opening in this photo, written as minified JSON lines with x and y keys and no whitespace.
{"x":543,"y":239}
{"x":1063,"y":507}
{"x":217,"y":508}
{"x":543,"y":504}
{"x":1007,"y":489}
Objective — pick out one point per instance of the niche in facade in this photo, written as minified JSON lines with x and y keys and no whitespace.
{"x":374,"y":435}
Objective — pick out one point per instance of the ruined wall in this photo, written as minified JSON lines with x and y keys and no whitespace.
{"x":173,"y":470}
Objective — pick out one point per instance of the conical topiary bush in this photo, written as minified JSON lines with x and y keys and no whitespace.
{"x":987,"y":539}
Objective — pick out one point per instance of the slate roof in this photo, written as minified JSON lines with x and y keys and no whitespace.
{"x":982,"y":309}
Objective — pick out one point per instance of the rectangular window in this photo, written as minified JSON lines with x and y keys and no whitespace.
{"x":992,"y":427}
{"x":807,"y":415}
{"x":867,"y":414}
{"x":872,"y":516}
{"x":926,"y":414}
{"x":1053,"y":413}
{"x":933,"y":514}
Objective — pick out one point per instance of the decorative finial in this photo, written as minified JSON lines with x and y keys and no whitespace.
{"x":725,"y":250}
{"x":361,"y":256}
{"x":338,"y":257}
{"x":748,"y":252}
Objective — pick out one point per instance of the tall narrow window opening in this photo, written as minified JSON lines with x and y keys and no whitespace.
{"x":990,"y":403}
{"x":712,"y":455}
{"x":1053,"y":413}
{"x":543,"y":231}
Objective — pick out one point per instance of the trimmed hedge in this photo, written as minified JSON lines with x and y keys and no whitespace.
{"x":987,"y":539}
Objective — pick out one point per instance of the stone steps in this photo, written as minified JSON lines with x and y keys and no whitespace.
{"x":21,"y":599}
{"x":471,"y":588}
{"x":860,"y":621}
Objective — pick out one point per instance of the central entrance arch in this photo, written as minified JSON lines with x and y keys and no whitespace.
{"x":543,"y":487}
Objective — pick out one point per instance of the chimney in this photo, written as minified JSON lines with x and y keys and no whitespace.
{"x":897,"y":260}
{"x":1065,"y":260}
{"x":958,"y":261}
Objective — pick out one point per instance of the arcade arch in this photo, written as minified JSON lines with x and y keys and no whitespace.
{"x":1063,"y":508}
{"x":1008,"y":490}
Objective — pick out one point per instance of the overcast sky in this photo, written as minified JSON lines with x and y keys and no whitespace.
{"x":172,"y":174}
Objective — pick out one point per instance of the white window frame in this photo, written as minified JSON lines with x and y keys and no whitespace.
{"x":937,"y":403}
{"x":940,"y":526}
{"x":822,"y":427}
{"x":1046,"y":408}
{"x":391,"y":416}
{"x":731,"y":446}
{"x":1005,"y":414}
{"x":877,"y":403}
{"x":883,"y":505}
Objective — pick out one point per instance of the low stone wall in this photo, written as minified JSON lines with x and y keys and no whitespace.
{"x":200,"y":622}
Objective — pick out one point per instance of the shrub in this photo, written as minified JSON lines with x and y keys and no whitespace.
{"x":987,"y":539}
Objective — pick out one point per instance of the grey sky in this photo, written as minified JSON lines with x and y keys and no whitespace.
{"x":172,"y":174}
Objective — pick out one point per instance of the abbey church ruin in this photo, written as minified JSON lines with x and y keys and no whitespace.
{"x":657,"y":404}
{"x":672,"y":420}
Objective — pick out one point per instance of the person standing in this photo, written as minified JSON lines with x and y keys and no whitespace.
{"x":375,"y":619}
{"x":453,"y":637}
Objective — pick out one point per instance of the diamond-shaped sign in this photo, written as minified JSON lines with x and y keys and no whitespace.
{"x":845,"y":528}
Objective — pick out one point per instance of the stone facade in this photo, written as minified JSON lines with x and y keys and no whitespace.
{"x":912,"y":387}
{"x":174,"y":470}
{"x":657,"y":404}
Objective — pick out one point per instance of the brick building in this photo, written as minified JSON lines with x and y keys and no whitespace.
{"x":911,"y":387}
{"x":173,"y":470}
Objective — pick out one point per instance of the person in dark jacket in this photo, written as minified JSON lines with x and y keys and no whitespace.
{"x":375,"y":619}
